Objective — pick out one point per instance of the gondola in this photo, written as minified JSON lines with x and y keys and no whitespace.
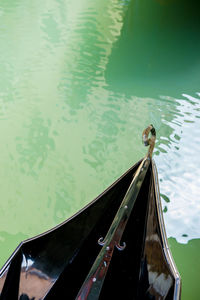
{"x":114,"y":248}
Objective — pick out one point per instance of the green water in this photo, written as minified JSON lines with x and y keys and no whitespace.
{"x":79,"y":81}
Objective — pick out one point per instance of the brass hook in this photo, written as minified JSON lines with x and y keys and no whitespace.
{"x":149,"y":141}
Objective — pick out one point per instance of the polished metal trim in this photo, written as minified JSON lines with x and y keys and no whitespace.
{"x":166,"y":249}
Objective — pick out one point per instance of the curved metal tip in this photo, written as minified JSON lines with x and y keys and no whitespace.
{"x":121,"y":247}
{"x":149,"y":141}
{"x":101,"y":241}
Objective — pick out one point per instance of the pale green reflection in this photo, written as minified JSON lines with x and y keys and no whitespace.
{"x":11,"y":241}
{"x":33,"y":149}
{"x":79,"y":81}
{"x":53,"y":56}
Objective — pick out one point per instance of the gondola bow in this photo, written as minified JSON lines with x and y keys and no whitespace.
{"x":67,"y":262}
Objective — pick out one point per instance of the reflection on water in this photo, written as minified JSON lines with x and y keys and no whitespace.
{"x":187,"y":258}
{"x":179,"y":171}
{"x":52,"y":59}
{"x":34,"y":148}
{"x":79,"y":81}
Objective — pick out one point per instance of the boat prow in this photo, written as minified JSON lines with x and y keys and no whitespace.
{"x":55,"y":265}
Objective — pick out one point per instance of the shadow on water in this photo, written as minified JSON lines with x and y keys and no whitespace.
{"x":158,"y":49}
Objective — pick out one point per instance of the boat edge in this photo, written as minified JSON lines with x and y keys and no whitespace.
{"x":166,"y":248}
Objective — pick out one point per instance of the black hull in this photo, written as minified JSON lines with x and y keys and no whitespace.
{"x":55,"y":264}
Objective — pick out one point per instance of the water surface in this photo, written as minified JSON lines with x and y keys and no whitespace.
{"x":79,"y":81}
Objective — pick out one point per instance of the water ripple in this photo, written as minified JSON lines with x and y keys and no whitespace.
{"x":179,"y":171}
{"x":79,"y":82}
